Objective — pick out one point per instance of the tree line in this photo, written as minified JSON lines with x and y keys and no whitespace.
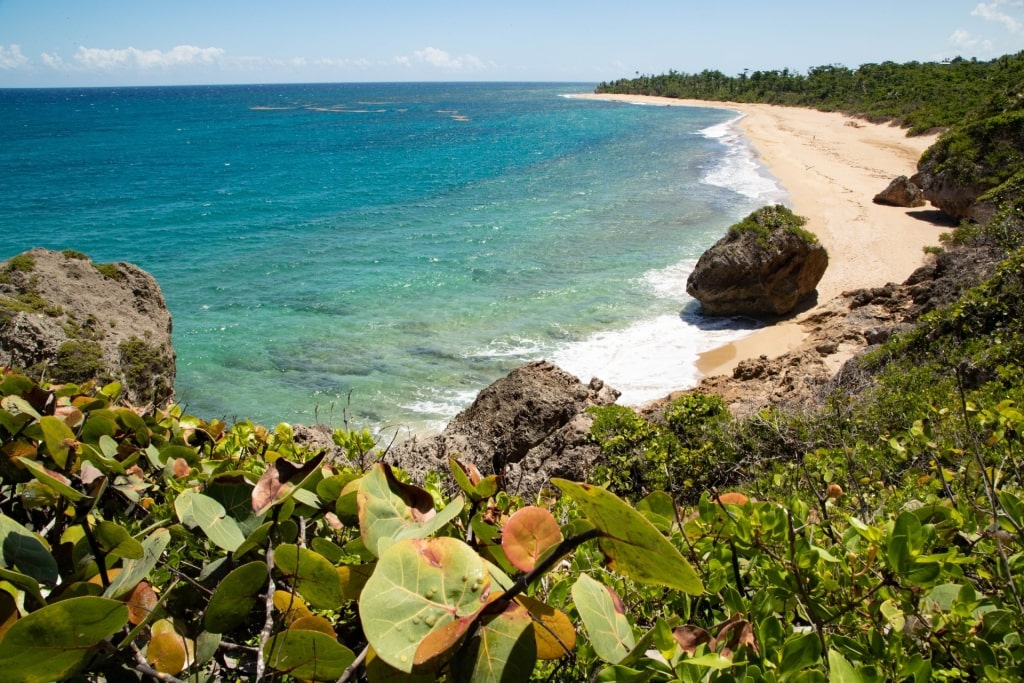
{"x":920,"y":96}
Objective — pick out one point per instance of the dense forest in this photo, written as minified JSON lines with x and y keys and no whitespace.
{"x":873,"y":534}
{"x":918,"y":95}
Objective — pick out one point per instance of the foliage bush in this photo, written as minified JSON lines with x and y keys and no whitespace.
{"x":769,"y":219}
{"x":184,"y":549}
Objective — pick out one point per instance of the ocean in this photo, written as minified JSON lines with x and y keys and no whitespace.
{"x":373,"y":255}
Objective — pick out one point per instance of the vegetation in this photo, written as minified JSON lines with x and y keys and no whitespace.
{"x":768,"y":219}
{"x":918,"y":96}
{"x":879,"y":537}
{"x":145,"y":366}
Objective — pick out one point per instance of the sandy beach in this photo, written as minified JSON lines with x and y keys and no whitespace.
{"x":832,"y":166}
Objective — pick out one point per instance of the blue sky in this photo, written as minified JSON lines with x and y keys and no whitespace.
{"x":152,"y":42}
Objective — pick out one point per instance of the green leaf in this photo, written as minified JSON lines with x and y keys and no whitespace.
{"x":58,"y":438}
{"x":469,"y":479}
{"x":135,"y":571}
{"x":115,"y":540}
{"x":194,"y":508}
{"x":604,"y":616}
{"x":501,"y":650}
{"x":313,"y":577}
{"x":57,"y":482}
{"x":840,"y":670}
{"x":528,"y":536}
{"x":51,"y":643}
{"x":631,"y":545}
{"x":390,"y":510}
{"x":26,"y":552}
{"x":23,"y":582}
{"x":798,"y":653}
{"x":231,"y":604}
{"x":308,"y":655}
{"x":422,"y":588}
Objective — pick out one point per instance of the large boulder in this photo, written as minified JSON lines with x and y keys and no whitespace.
{"x":529,"y":426}
{"x":967,"y":163}
{"x":67,"y":319}
{"x":901,"y":192}
{"x":766,"y":265}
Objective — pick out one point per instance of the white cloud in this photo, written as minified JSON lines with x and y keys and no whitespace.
{"x":131,"y":57}
{"x":11,"y":57}
{"x":1002,"y":11}
{"x":963,"y":40}
{"x":442,"y":60}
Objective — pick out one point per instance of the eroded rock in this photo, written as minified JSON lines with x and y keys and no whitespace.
{"x":528,"y":426}
{"x":67,"y":319}
{"x":764,"y":266}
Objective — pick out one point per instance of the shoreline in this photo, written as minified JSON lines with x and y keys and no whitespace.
{"x":831,"y":166}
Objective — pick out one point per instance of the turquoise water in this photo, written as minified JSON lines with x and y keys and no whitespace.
{"x":381,"y":252}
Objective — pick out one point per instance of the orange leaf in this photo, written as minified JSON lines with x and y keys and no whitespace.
{"x":529,"y":535}
{"x":141,"y":603}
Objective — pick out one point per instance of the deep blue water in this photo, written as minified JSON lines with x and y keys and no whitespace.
{"x":381,"y":252}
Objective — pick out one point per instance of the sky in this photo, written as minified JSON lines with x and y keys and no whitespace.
{"x":65,"y":43}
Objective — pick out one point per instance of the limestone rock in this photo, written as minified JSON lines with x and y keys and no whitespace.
{"x":67,"y":319}
{"x":528,"y":426}
{"x":763,"y":266}
{"x":901,"y":192}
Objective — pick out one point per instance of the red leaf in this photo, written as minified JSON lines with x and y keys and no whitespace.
{"x":278,"y":480}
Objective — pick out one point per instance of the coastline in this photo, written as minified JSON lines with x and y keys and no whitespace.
{"x":831,"y":166}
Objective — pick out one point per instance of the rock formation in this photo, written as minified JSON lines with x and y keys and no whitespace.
{"x":764,"y":266}
{"x":901,"y":192}
{"x":841,"y":329}
{"x":68,"y":319}
{"x":528,"y":426}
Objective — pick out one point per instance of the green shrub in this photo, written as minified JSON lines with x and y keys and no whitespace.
{"x":145,"y":369}
{"x":79,"y":361}
{"x":108,"y":270}
{"x":769,"y":219}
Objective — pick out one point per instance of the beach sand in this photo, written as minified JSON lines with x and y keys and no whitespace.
{"x":832,"y":166}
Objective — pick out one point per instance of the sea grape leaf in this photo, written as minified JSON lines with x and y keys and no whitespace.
{"x":353,"y":578}
{"x":502,"y":648}
{"x":313,"y":577}
{"x":840,"y":670}
{"x":528,"y":536}
{"x":23,"y":582}
{"x":115,"y":540}
{"x":134,"y":571}
{"x":141,"y":603}
{"x":659,"y":509}
{"x":308,"y":655}
{"x":196,"y":508}
{"x":422,"y":587}
{"x":472,"y":483}
{"x":554,"y":631}
{"x":231,"y":604}
{"x":800,"y":651}
{"x":58,"y":437}
{"x":379,"y":671}
{"x":390,"y":510}
{"x":604,"y":616}
{"x":51,"y":643}
{"x":234,"y":492}
{"x":314,"y":622}
{"x":166,"y":652}
{"x":631,"y":545}
{"x":25,"y":552}
{"x":280,"y":480}
{"x":56,"y":481}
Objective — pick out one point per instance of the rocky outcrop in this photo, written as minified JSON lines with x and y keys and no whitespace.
{"x":901,"y":192}
{"x":841,"y":329}
{"x":528,"y":427}
{"x":965,"y":164}
{"x":67,"y":319}
{"x":765,"y":266}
